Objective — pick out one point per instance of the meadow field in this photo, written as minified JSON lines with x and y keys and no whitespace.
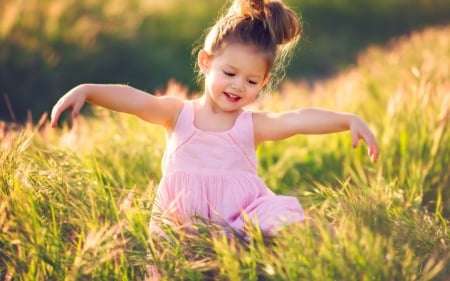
{"x":75,"y":202}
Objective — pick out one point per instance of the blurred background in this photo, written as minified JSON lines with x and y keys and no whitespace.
{"x":49,"y":46}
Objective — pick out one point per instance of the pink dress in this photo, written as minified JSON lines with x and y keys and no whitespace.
{"x":213,"y":175}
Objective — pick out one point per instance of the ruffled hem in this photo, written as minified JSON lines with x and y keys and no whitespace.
{"x":229,"y":200}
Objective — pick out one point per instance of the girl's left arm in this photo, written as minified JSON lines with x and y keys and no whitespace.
{"x":270,"y":126}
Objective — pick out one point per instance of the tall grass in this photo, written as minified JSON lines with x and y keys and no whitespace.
{"x":76,"y":202}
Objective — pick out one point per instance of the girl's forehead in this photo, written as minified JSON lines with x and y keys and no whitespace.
{"x":240,"y":47}
{"x":241,"y":55}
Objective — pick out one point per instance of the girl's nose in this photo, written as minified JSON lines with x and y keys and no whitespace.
{"x":238,"y":85}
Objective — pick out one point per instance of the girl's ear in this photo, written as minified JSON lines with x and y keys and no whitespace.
{"x":203,"y":61}
{"x":266,"y":79}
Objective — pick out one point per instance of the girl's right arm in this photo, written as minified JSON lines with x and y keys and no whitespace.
{"x":121,"y":98}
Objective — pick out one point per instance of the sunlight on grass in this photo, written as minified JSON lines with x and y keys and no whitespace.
{"x":76,"y":202}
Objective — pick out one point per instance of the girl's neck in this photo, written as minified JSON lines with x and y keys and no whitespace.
{"x":208,"y":117}
{"x":206,"y":103}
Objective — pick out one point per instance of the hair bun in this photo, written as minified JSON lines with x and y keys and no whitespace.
{"x":249,"y":8}
{"x":280,"y":21}
{"x":257,"y":5}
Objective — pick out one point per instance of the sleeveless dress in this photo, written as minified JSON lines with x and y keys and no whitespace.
{"x":213,"y":176}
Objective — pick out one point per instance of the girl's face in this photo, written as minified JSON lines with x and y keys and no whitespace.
{"x":234,"y":76}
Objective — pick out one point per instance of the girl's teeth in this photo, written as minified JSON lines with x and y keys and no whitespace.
{"x":232,"y":97}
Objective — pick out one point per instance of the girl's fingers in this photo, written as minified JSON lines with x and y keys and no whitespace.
{"x":76,"y":108}
{"x":373,"y":149}
{"x":355,"y":138}
{"x":373,"y":153}
{"x":63,"y":105}
{"x":368,"y":137}
{"x":56,"y":112}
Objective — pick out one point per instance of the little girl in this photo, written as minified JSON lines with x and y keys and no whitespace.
{"x":210,"y":166}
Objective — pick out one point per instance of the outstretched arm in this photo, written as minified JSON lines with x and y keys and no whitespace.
{"x":122,"y":98}
{"x":277,"y":126}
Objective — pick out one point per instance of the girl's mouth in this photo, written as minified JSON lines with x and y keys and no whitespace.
{"x":231,"y":97}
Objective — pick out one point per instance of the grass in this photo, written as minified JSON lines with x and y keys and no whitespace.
{"x":76,"y":202}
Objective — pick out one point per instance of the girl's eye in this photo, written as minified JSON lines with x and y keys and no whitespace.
{"x":252,"y":82}
{"x":228,"y":73}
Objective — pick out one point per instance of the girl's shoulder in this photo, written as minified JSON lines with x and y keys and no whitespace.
{"x":260,"y":116}
{"x":170,"y":107}
{"x":267,"y":126}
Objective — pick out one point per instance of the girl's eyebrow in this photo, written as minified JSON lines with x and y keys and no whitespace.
{"x":230,"y":66}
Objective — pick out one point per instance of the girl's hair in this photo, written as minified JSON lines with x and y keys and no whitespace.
{"x":270,"y":26}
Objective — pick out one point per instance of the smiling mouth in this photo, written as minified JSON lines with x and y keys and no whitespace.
{"x":231,"y":97}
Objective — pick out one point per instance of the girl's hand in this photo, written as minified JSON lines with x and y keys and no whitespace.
{"x":359,"y":130}
{"x":75,"y":99}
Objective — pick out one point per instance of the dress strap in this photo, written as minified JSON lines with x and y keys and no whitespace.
{"x":185,"y":119}
{"x":184,"y":128}
{"x":244,"y":137}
